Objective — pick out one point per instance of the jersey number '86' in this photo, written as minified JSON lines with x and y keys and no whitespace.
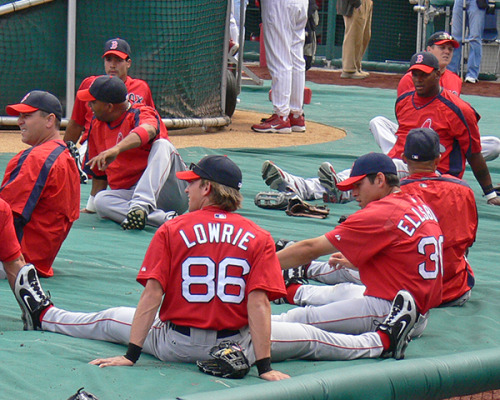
{"x":214,"y":287}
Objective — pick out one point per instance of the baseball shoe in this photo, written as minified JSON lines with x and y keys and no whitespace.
{"x":136,"y":219}
{"x":233,"y":47}
{"x":276,"y":178}
{"x":280,"y":244}
{"x":274,"y":124}
{"x":399,"y":324}
{"x":31,"y":297}
{"x":73,"y":150}
{"x":298,"y":124}
{"x":328,"y":179}
{"x":297,"y":273}
{"x":352,"y":75}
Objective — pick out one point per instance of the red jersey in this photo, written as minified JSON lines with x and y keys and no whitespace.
{"x":207,"y":262}
{"x":9,"y":246}
{"x":127,"y":169}
{"x":396,"y":243}
{"x":450,"y":197}
{"x":454,"y":120}
{"x":138,"y":92}
{"x":42,"y":186}
{"x":449,"y":81}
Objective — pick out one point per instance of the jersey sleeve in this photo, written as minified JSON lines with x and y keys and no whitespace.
{"x":156,"y":261}
{"x":81,"y":108}
{"x":9,"y":246}
{"x":405,"y":84}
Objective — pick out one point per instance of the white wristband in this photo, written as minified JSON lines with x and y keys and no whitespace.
{"x":490,"y":196}
{"x":90,"y":204}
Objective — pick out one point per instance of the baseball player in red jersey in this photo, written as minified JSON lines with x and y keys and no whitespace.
{"x":446,"y":195}
{"x":441,"y":45}
{"x":403,"y":251}
{"x":211,"y":274}
{"x":128,"y":148}
{"x":117,"y":62}
{"x":12,"y":263}
{"x":41,"y":184}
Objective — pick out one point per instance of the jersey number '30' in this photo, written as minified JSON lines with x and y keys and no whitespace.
{"x":436,"y":257}
{"x":214,"y":286}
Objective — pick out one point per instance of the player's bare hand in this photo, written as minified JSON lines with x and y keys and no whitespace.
{"x":102,"y":160}
{"x":495,"y":201}
{"x":118,"y":361}
{"x":274,"y":375}
{"x":337,"y":260}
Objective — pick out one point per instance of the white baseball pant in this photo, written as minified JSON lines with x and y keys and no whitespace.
{"x":384,"y":133}
{"x":158,"y":191}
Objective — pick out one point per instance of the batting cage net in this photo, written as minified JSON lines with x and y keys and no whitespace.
{"x":177,"y":48}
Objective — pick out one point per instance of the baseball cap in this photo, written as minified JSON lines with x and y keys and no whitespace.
{"x":422,"y":144}
{"x":370,"y":163}
{"x":215,"y":168}
{"x":118,"y":47}
{"x":37,"y":100}
{"x":424,"y":61}
{"x":442,"y":38}
{"x":109,"y":89}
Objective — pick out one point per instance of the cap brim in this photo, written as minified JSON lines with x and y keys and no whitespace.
{"x":421,"y":67}
{"x":187,"y":175}
{"x":348,"y":184}
{"x":84,"y":95}
{"x":117,"y":53}
{"x":16,"y":109}
{"x":454,"y":43}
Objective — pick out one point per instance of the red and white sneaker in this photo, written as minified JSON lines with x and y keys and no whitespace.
{"x":274,"y":124}
{"x":298,"y":124}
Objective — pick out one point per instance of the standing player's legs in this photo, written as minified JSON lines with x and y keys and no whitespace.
{"x":300,"y":341}
{"x":476,"y":19}
{"x":366,"y":31}
{"x":298,"y":15}
{"x":353,"y":41}
{"x":277,"y":38}
{"x":384,"y":133}
{"x":456,"y":31}
{"x":353,"y":316}
{"x":158,"y":190}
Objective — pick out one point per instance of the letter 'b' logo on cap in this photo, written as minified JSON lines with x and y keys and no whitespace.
{"x":420,"y":58}
{"x":114,"y":45}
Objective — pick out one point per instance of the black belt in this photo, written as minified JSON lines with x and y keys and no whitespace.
{"x":186,"y":330}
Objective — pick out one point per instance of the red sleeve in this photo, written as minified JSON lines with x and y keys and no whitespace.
{"x":9,"y":246}
{"x":405,"y":84}
{"x":81,"y":111}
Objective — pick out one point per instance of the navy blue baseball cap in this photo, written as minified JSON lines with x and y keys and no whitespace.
{"x":118,"y":47}
{"x":37,"y":100}
{"x":109,"y":89}
{"x":424,"y":61}
{"x":422,"y":144}
{"x":371,"y":163}
{"x":215,"y":168}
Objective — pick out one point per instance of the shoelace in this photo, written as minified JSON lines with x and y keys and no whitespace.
{"x":389,"y":319}
{"x":41,"y":295}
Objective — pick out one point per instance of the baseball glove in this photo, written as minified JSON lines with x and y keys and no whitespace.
{"x":82,"y":395}
{"x":73,"y":150}
{"x":228,"y":361}
{"x":273,"y":200}
{"x":299,"y":208}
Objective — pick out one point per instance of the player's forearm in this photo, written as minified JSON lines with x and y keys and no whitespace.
{"x":73,"y":132}
{"x":305,"y":251}
{"x":138,"y":137}
{"x":259,"y":321}
{"x":481,"y":171}
{"x":146,"y":312}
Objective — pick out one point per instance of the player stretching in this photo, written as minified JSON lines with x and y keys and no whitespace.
{"x":211,"y":273}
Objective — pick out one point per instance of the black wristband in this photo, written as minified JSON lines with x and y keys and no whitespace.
{"x":263,"y":365}
{"x":133,"y":352}
{"x":488,"y":189}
